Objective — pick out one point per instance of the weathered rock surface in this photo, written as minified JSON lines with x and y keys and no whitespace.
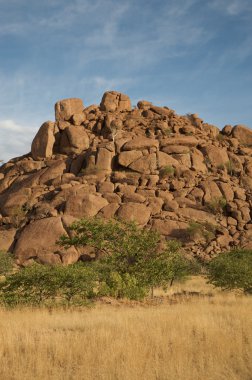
{"x":42,"y":145}
{"x":147,"y":164}
{"x":115,"y":101}
{"x":243,"y":134}
{"x":66,"y":108}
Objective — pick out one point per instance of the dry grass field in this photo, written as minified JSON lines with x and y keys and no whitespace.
{"x":185,"y":337}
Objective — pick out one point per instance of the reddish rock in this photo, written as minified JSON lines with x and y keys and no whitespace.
{"x":42,"y":145}
{"x":144,"y":105}
{"x":192,"y":214}
{"x":115,"y":101}
{"x":126,"y":158}
{"x":134,"y":212}
{"x":7,"y":239}
{"x":139,"y":143}
{"x":164,"y":160}
{"x":66,"y":108}
{"x":218,"y":157}
{"x":170,"y":228}
{"x":184,"y":140}
{"x":198,"y":161}
{"x":74,"y":140}
{"x":82,"y":204}
{"x":38,"y":241}
{"x":146,"y":164}
{"x":243,"y":134}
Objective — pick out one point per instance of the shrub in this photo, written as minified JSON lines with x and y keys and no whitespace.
{"x":6,"y":263}
{"x":166,"y":171}
{"x":230,"y":166}
{"x":220,"y":137}
{"x":18,"y":214}
{"x":131,"y":263}
{"x":121,"y":285}
{"x":42,"y":284}
{"x":221,"y":167}
{"x":197,"y":230}
{"x":168,"y":132}
{"x":217,"y":205}
{"x":232,"y":270}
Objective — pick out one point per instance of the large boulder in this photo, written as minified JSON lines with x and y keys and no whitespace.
{"x":198,"y":161}
{"x":164,"y":159}
{"x":56,"y":169}
{"x":243,"y":134}
{"x":170,"y":228}
{"x":104,"y":159}
{"x":217,"y":156}
{"x":139,"y":143}
{"x":136,"y":212}
{"x":42,"y":145}
{"x":66,"y":108}
{"x":211,"y":191}
{"x":38,"y":241}
{"x":82,"y":204}
{"x":126,"y":158}
{"x":180,"y":140}
{"x":146,"y":164}
{"x":115,"y":101}
{"x":7,"y":239}
{"x":192,"y":214}
{"x":74,"y":139}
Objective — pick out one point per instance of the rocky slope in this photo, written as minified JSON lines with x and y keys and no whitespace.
{"x":172,"y":173}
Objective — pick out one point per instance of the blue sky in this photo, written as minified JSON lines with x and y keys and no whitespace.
{"x":190,"y":55}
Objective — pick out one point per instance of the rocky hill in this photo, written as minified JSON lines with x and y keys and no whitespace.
{"x":172,"y":173}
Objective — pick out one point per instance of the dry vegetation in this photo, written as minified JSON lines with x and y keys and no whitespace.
{"x":190,"y":338}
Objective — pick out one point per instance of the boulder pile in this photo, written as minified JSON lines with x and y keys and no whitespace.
{"x":175,"y":174}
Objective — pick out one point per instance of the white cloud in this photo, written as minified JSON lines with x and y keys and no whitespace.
{"x":15,"y":139}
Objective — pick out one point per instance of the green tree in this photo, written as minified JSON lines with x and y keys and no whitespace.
{"x":6,"y":263}
{"x":30,"y":285}
{"x":76,"y":283}
{"x":38,"y":284}
{"x":131,"y":257}
{"x":232,"y":270}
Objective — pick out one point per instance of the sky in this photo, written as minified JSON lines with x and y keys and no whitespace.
{"x":194,"y":56}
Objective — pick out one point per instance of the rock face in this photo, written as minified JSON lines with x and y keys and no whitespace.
{"x":66,"y":108}
{"x":114,"y":101}
{"x":164,"y":171}
{"x":42,"y":145}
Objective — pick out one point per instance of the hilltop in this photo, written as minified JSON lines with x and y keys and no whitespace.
{"x":176,"y":174}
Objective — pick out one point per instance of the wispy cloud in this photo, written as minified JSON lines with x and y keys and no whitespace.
{"x":15,"y":139}
{"x":81,"y":48}
{"x":232,"y":7}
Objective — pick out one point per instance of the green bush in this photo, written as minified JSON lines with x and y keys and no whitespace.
{"x":131,"y":258}
{"x":42,"y":284}
{"x":6,"y":263}
{"x":197,"y":230}
{"x":230,"y":166}
{"x":217,"y":206}
{"x":167,"y":171}
{"x":232,"y":270}
{"x":121,"y":285}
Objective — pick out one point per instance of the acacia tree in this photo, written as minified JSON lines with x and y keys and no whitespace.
{"x":38,"y":284}
{"x":232,"y":270}
{"x":130,"y":255}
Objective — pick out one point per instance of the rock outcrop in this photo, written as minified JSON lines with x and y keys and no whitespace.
{"x":175,"y":174}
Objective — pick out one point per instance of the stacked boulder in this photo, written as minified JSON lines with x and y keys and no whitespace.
{"x":175,"y":174}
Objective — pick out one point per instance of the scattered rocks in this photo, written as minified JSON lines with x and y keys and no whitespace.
{"x":164,"y":171}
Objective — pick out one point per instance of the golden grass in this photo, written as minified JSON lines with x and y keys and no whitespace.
{"x":197,"y":338}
